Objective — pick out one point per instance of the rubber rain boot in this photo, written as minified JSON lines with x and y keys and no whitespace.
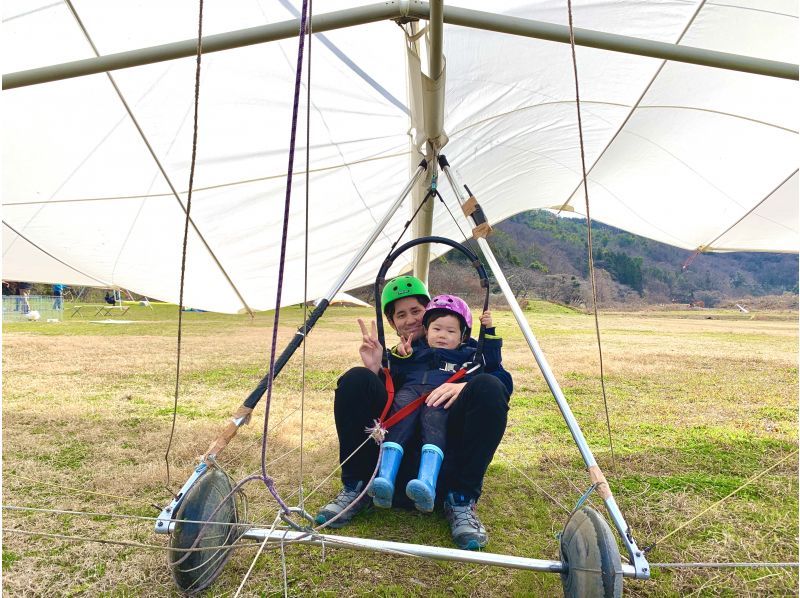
{"x":423,"y":489}
{"x":382,"y":488}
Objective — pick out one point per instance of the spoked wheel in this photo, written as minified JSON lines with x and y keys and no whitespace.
{"x":589,"y":551}
{"x":205,"y":520}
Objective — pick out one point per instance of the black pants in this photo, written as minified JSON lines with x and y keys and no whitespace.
{"x":475,"y":425}
{"x":430,"y":422}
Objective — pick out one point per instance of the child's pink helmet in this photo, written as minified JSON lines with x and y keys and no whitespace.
{"x":450,"y":303}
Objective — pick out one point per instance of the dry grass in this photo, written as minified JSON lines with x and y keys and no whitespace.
{"x":697,"y":406}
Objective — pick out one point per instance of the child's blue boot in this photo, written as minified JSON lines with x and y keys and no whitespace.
{"x":382,"y":488}
{"x":423,"y":490}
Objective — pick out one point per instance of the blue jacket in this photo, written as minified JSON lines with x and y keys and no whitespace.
{"x":427,"y":365}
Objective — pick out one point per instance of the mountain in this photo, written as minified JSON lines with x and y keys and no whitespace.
{"x":545,"y":256}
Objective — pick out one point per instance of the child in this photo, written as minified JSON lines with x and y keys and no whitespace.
{"x":447,"y":346}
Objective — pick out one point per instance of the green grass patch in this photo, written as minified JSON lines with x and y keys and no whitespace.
{"x":69,"y":457}
{"x":712,"y":486}
{"x":9,"y":558}
{"x":697,"y":408}
{"x":186,"y":411}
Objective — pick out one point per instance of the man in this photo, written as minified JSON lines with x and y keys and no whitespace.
{"x":476,"y":423}
{"x":58,"y":295}
{"x":25,"y":293}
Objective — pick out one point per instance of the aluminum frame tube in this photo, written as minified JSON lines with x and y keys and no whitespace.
{"x":618,"y":43}
{"x":636,"y":555}
{"x":394,"y":9}
{"x":377,"y":231}
{"x":299,"y":337}
{"x":423,"y":223}
{"x":413,"y":550}
{"x":538,"y":354}
{"x":240,"y":38}
{"x":436,"y":28}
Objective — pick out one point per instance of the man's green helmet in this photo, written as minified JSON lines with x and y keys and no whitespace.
{"x":400,"y":287}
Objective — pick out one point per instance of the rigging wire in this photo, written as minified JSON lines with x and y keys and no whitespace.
{"x":186,"y":234}
{"x":301,"y":502}
{"x":712,"y":565}
{"x":589,"y":231}
{"x":720,"y":501}
{"x":470,"y":241}
{"x":159,"y":547}
{"x":535,"y":484}
{"x":258,"y":554}
{"x":173,"y":191}
{"x":111,"y":515}
{"x":61,"y":487}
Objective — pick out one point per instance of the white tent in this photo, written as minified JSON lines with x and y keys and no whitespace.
{"x":345,"y":300}
{"x":694,"y":156}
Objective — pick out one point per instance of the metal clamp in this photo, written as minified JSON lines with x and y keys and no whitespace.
{"x":285,"y":516}
{"x":166,"y":521}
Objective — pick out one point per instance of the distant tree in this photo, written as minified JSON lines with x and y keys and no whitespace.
{"x":623,"y":268}
{"x":538,"y":266}
{"x":737,"y":280}
{"x":683,"y":292}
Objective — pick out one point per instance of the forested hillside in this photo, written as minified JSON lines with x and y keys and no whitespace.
{"x":546,"y":256}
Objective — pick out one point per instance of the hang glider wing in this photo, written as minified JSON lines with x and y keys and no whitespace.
{"x":688,"y":155}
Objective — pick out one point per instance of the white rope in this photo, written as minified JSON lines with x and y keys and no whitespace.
{"x":725,"y":565}
{"x":258,"y":554}
{"x":283,"y":567}
{"x":535,"y":484}
{"x":720,"y":501}
{"x":11,"y":530}
{"x":301,"y":502}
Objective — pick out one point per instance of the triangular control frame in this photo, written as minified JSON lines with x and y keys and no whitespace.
{"x":637,"y":567}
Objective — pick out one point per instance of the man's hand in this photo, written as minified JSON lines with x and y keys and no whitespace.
{"x":446,"y":394}
{"x":486,"y":319}
{"x":370,"y":350}
{"x":404,"y":347}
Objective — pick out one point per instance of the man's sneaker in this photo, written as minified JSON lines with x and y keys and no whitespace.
{"x":467,"y":530}
{"x":343,"y":500}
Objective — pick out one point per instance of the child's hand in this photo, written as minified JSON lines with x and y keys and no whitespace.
{"x":486,"y":319}
{"x":404,"y":347}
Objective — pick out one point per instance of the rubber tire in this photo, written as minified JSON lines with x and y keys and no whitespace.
{"x":590,"y":554}
{"x":201,"y":568}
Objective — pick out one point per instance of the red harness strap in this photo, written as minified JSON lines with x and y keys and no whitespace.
{"x":389,"y":392}
{"x":413,"y":405}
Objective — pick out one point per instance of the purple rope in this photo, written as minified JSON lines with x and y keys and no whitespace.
{"x":268,"y":481}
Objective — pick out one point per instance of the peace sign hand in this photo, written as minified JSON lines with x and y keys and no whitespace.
{"x":404,"y":347}
{"x":370,"y":350}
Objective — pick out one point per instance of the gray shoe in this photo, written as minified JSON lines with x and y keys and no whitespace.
{"x":467,"y":530}
{"x":343,"y":500}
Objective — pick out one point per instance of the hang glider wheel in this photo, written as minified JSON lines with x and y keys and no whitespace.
{"x":590,"y":554}
{"x":200,"y":568}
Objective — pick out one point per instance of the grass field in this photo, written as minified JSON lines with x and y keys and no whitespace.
{"x":699,"y":401}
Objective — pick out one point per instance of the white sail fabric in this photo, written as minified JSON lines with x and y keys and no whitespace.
{"x":688,"y":155}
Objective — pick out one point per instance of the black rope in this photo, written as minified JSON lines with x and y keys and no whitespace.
{"x":186,"y":233}
{"x":428,"y":195}
{"x":468,"y":240}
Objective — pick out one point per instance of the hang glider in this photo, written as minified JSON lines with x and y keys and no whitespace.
{"x":96,"y":168}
